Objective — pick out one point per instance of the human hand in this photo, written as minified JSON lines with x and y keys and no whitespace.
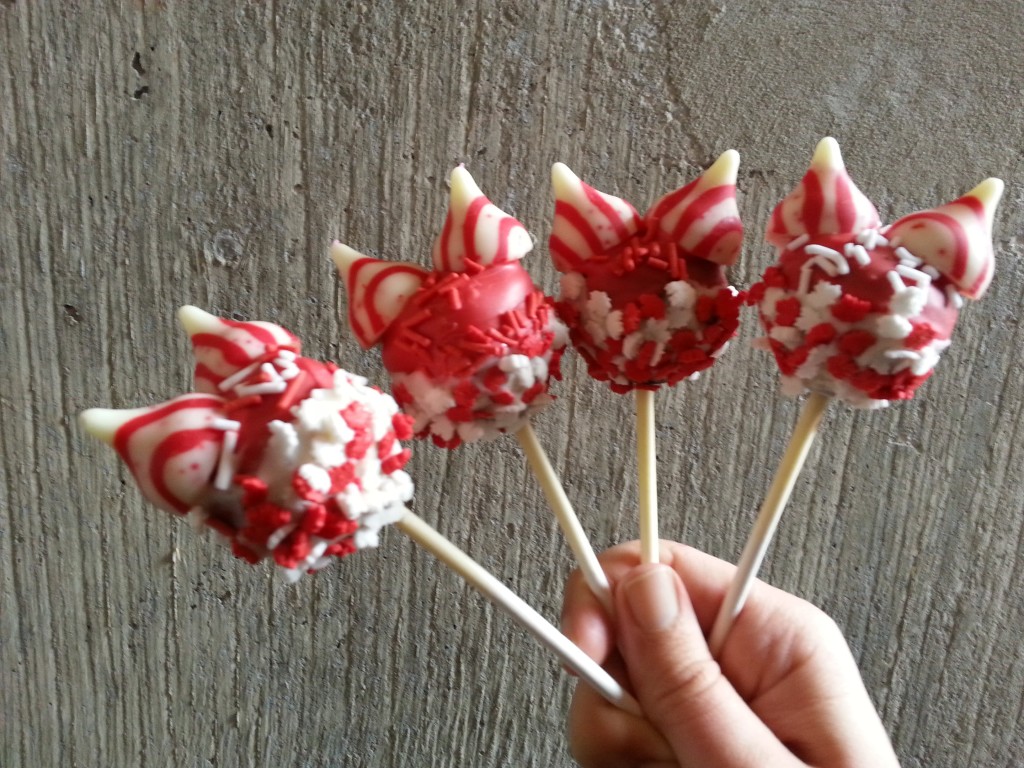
{"x":785,"y":691}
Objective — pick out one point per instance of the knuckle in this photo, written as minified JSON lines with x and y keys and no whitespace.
{"x":687,"y":687}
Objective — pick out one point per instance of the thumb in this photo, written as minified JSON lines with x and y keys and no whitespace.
{"x":679,"y":685}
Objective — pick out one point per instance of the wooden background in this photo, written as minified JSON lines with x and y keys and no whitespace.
{"x":160,"y":153}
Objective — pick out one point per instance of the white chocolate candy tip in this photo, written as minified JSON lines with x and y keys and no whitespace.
{"x":827,"y":155}
{"x":988,"y":193}
{"x":195,"y":321}
{"x":344,"y":257}
{"x":463,"y":188}
{"x":723,"y":170}
{"x":103,"y":423}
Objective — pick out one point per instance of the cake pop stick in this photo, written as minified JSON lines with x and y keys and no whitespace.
{"x":645,"y":298}
{"x":472,"y":344}
{"x":296,"y":460}
{"x":856,"y":311}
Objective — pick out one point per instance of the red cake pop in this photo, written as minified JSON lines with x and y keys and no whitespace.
{"x":471,"y":345}
{"x":859,"y":311}
{"x":855,"y":311}
{"x":284,"y":456}
{"x":646,"y":298}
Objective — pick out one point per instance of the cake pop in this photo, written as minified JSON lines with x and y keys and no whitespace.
{"x":646,"y":298}
{"x":472,"y":345}
{"x":297,"y":460}
{"x":856,"y":311}
{"x":284,"y":456}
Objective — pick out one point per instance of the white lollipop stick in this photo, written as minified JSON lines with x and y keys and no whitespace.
{"x":479,"y":578}
{"x":647,"y":463}
{"x":591,"y":569}
{"x":768,"y":518}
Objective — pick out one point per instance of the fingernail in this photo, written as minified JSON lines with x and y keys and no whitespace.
{"x":652,"y":599}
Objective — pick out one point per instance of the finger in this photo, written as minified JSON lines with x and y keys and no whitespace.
{"x":603,"y":736}
{"x":680,"y":687}
{"x":585,"y":621}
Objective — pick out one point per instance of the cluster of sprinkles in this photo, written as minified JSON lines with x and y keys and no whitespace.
{"x":856,"y":311}
{"x":284,"y":456}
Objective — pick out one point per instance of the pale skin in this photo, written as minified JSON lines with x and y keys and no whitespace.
{"x":785,"y":692}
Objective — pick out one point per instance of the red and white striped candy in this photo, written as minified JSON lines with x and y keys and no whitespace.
{"x":702,"y":218}
{"x":825,"y":202}
{"x":377,"y":291}
{"x":477,"y":230}
{"x":172,"y":449}
{"x":224,"y":347}
{"x":955,"y":238}
{"x":587,"y":222}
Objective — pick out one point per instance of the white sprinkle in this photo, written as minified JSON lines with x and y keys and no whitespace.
{"x":226,"y":463}
{"x":613,"y":323}
{"x":895,"y":280}
{"x":237,"y":377}
{"x":805,"y":279}
{"x":288,"y":371}
{"x":832,"y":255}
{"x":279,"y":535}
{"x":954,"y":298}
{"x":831,"y":262}
{"x":680,"y":293}
{"x":871,"y":238}
{"x":513,"y":362}
{"x":902,"y":354}
{"x":825,"y":294}
{"x":906,"y":256}
{"x":316,"y":477}
{"x":931,"y":271}
{"x":798,"y":242}
{"x":286,"y":354}
{"x":858,"y":253}
{"x":226,"y":424}
{"x":893,"y":327}
{"x":263,"y":388}
{"x":270,"y":371}
{"x":922,"y":280}
{"x":908,"y":301}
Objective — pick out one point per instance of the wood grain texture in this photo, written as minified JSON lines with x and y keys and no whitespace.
{"x":156,"y":153}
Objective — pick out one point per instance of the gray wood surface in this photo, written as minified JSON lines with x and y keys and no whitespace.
{"x":156,"y":153}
